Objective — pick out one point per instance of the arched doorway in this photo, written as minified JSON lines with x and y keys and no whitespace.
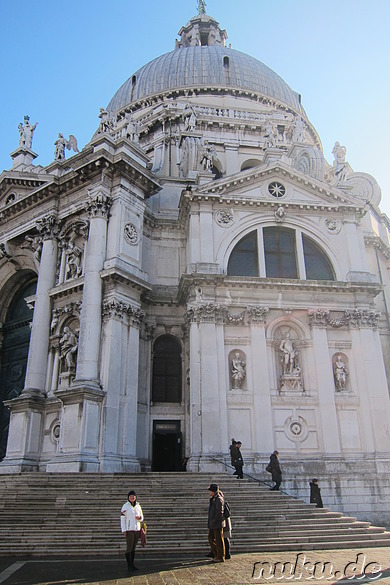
{"x":13,"y":355}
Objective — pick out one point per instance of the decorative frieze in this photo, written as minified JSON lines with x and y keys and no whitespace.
{"x":215,"y":313}
{"x":350,"y":317}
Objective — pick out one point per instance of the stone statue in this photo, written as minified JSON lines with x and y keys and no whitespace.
{"x":61,"y":143}
{"x":201,"y":7}
{"x":269,"y":135}
{"x":26,"y":132}
{"x":191,"y":120}
{"x":105,"y":121}
{"x":298,"y":134}
{"x":339,"y":164}
{"x":73,"y":254}
{"x":288,"y":355}
{"x":340,"y":373}
{"x":132,"y":129}
{"x":68,"y":347}
{"x":238,"y":371}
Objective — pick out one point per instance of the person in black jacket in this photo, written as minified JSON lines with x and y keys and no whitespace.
{"x":237,"y":459}
{"x":315,"y":494}
{"x":216,"y":523}
{"x":274,"y":468}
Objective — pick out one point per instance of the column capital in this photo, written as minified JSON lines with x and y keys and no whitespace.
{"x":99,"y":204}
{"x":48,"y":227}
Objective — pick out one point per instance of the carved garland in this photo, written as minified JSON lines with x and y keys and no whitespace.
{"x":215,"y":313}
{"x":350,"y":317}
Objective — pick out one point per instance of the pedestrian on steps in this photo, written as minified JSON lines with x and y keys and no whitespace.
{"x":274,"y":468}
{"x":216,"y":523}
{"x":315,"y":493}
{"x":131,"y":518}
{"x":237,"y":459}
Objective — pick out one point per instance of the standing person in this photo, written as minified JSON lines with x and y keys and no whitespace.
{"x":215,"y":523}
{"x":274,"y":469}
{"x":227,"y":529}
{"x":131,"y":518}
{"x":237,"y":460}
{"x":232,"y":450}
{"x":315,"y":494}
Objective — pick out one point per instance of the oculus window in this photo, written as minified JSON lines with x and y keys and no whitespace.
{"x":167,"y":378}
{"x":282,"y":247}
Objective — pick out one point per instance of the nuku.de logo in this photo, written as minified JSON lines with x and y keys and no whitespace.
{"x":303,"y":568}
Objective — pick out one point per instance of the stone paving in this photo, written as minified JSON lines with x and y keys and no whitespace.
{"x":301,"y":567}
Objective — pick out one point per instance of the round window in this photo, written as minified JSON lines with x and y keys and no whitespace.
{"x":276,"y":189}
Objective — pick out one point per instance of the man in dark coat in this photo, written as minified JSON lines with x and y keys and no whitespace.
{"x":275,"y":470}
{"x":315,"y":494}
{"x":237,"y":459}
{"x":216,"y":523}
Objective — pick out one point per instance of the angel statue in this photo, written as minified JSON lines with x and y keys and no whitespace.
{"x":61,"y":143}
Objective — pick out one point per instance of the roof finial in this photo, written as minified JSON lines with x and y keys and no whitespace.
{"x":201,"y":7}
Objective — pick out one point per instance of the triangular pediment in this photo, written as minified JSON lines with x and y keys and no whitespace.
{"x":281,"y":184}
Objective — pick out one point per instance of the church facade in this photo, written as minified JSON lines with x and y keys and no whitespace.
{"x":197,"y":272}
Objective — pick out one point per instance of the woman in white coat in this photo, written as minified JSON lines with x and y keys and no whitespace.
{"x":131,"y":518}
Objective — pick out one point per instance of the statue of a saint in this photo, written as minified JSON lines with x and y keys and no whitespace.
{"x":201,"y":7}
{"x":26,"y":132}
{"x":191,"y":121}
{"x":269,"y":135}
{"x":68,"y":347}
{"x":340,"y":373}
{"x":288,"y":355}
{"x":298,"y":134}
{"x":339,"y":164}
{"x":238,"y":371}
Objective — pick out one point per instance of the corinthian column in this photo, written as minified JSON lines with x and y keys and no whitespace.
{"x":39,"y":341}
{"x":91,"y":311}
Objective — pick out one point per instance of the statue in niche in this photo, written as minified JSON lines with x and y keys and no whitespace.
{"x":68,"y":349}
{"x":26,"y":132}
{"x":238,"y":371}
{"x":339,"y":164}
{"x":289,"y":357}
{"x":340,"y":373}
{"x":73,"y":256}
{"x":61,"y":143}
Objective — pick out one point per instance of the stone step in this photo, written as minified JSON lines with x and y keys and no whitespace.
{"x":55,"y":518}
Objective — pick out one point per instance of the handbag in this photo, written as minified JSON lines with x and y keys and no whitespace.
{"x":142,"y":534}
{"x":269,"y":468}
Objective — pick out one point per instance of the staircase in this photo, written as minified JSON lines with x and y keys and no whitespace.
{"x":78,"y":515}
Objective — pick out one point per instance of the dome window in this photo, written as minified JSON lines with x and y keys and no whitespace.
{"x":226,"y":62}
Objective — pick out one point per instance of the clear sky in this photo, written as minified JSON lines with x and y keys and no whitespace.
{"x":63,"y":60}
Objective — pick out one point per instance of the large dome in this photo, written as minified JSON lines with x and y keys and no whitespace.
{"x":214,"y":66}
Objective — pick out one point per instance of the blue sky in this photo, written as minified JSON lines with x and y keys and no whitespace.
{"x":62,"y":60}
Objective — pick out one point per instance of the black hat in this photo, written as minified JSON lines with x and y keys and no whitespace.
{"x":238,"y":443}
{"x":131,"y":493}
{"x":213,"y":487}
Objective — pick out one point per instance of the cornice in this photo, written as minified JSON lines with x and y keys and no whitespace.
{"x":115,"y":274}
{"x":377,"y":243}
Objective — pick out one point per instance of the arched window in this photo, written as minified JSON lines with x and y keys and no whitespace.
{"x":286,"y":255}
{"x":317,"y":264}
{"x":167,"y":377}
{"x":243,"y":260}
{"x":280,"y":253}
